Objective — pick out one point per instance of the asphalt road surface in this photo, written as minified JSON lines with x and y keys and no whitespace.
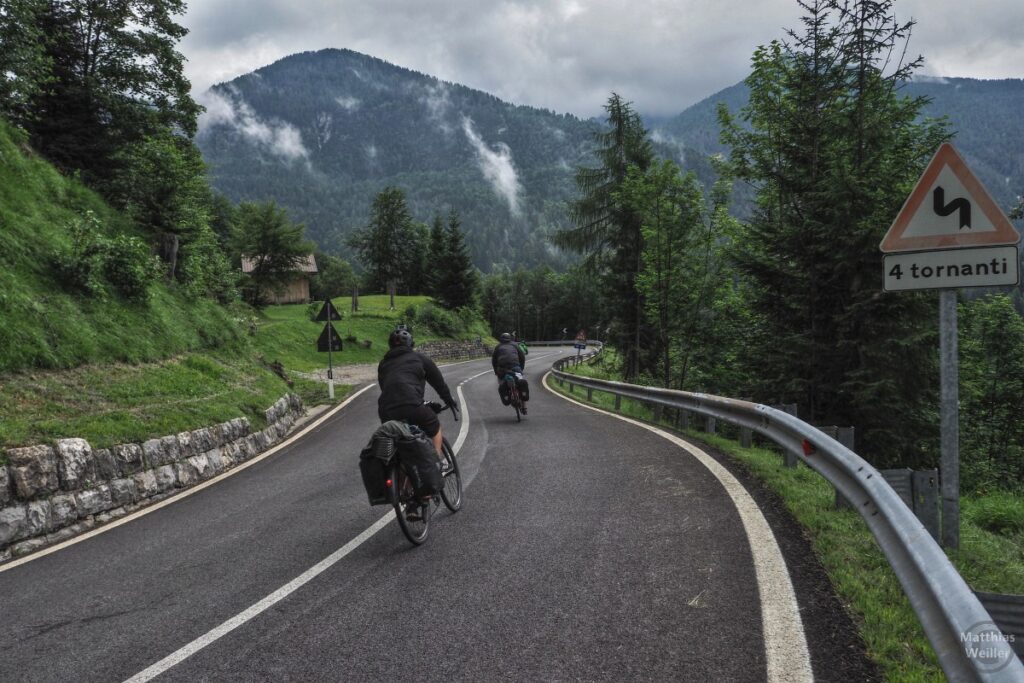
{"x":586,"y":549}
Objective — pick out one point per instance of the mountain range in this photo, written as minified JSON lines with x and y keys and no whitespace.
{"x":321,"y":133}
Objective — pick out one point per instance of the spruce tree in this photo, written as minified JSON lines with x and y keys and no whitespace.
{"x":834,"y":150}
{"x":608,"y":231}
{"x":457,"y":279}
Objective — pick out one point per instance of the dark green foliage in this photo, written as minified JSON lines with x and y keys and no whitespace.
{"x":23,"y":61}
{"x":113,"y":77}
{"x":608,"y":230}
{"x":991,"y":394}
{"x":393,"y":247}
{"x":275,"y":245}
{"x":539,"y":304}
{"x":834,"y":150}
{"x":367,"y":125}
{"x":334,"y":278}
{"x":456,"y":279}
{"x":97,"y":262}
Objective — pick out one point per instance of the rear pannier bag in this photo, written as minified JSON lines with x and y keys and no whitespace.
{"x":374,"y":465}
{"x":419,"y":458}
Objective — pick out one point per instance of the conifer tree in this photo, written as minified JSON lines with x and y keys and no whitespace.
{"x":608,"y":231}
{"x":457,"y":279}
{"x":834,"y":150}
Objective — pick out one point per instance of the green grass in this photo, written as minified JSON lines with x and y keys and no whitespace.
{"x":991,"y":557}
{"x":120,"y":403}
{"x":44,"y":326}
{"x":285,"y":333}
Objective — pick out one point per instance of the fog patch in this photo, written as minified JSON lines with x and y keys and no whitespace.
{"x":278,"y":137}
{"x":496,"y":165}
{"x":348,"y":103}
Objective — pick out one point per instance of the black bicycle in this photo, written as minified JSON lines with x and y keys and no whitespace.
{"x":515,"y":399}
{"x":413,"y":513}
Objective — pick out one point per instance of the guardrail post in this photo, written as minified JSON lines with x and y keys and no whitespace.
{"x":845,"y":436}
{"x":590,"y":394}
{"x":684,"y":420}
{"x":925,"y":485}
{"x":789,"y":458}
{"x":659,"y":411}
{"x":709,"y":425}
{"x":618,"y":402}
{"x":746,"y":437}
{"x":571,"y":387}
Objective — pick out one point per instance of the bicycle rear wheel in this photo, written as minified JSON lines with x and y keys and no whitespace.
{"x":451,"y":491}
{"x":403,"y":498}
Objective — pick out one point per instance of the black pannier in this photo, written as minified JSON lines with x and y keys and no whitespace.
{"x":419,"y":458}
{"x":374,"y":465}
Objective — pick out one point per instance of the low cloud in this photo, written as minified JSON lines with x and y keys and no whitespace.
{"x":348,"y":103}
{"x":439,"y":106}
{"x":496,"y":165}
{"x":278,"y":137}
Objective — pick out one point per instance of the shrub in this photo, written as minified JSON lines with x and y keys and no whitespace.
{"x":999,"y":513}
{"x":96,"y":262}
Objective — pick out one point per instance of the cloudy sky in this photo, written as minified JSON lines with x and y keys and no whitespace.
{"x":568,"y":55}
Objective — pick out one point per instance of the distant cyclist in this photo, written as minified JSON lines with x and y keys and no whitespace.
{"x":509,"y":358}
{"x":402,"y":376}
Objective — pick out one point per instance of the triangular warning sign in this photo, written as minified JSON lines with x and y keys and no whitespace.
{"x":327,"y":312}
{"x":329,"y":340}
{"x":949,"y":208}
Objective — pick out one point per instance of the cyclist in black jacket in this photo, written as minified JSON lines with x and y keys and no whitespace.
{"x":508,"y":357}
{"x":402,"y":375}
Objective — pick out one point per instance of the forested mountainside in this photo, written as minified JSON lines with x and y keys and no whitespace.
{"x":986,"y":115}
{"x":323,"y":132}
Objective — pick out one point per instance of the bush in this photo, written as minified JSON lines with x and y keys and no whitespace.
{"x":441,"y":322}
{"x":95,"y":262}
{"x":999,"y":513}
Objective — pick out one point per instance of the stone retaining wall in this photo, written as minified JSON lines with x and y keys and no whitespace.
{"x":51,"y":493}
{"x":453,"y":350}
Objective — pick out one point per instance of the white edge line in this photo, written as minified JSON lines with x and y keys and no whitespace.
{"x":284,"y":591}
{"x":184,"y":493}
{"x":785,"y":642}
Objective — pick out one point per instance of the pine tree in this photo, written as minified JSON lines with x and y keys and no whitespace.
{"x":435,"y":255}
{"x":607,"y":231}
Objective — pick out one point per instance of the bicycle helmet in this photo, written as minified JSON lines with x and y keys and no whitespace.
{"x":505,"y":337}
{"x":400,"y":338}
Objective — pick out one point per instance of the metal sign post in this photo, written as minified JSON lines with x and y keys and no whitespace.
{"x":949,"y":419}
{"x":329,"y":341}
{"x":948,"y":235}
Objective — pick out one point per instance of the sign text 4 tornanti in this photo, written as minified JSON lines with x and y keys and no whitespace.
{"x":952,"y":268}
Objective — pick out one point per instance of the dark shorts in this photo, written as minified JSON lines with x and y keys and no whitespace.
{"x":422,"y":416}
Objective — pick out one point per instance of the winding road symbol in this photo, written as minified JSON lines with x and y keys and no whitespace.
{"x":970,"y":219}
{"x":960,"y":204}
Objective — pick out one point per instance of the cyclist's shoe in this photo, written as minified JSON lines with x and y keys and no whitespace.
{"x":522,"y":408}
{"x":413,"y":512}
{"x":445,"y":466}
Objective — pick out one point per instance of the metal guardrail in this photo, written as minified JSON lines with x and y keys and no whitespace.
{"x":968,"y":644}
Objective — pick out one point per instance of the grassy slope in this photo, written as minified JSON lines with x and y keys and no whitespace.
{"x":862,"y":577}
{"x":113,"y":372}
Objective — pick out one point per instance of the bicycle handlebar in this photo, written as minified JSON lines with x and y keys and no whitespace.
{"x":439,"y":408}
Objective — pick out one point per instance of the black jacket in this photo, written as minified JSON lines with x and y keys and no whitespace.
{"x":506,"y":355}
{"x":401,"y":376}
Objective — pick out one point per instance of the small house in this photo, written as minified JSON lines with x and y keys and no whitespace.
{"x":296,"y":290}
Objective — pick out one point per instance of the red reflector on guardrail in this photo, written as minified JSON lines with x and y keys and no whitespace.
{"x":808,"y":447}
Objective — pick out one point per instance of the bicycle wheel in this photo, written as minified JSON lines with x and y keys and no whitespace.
{"x":403,"y":498}
{"x":451,"y":492}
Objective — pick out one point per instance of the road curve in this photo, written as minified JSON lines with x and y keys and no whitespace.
{"x":587,"y":549}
